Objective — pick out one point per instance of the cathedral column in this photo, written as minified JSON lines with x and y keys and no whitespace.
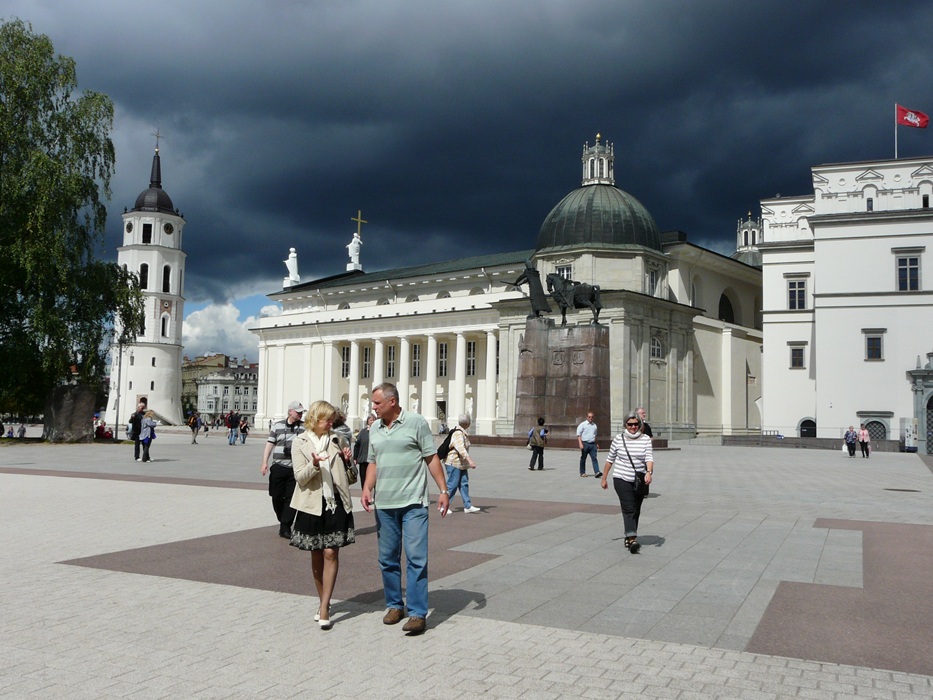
{"x":353,"y":382}
{"x":458,"y":393}
{"x":328,"y":384}
{"x":725,"y":380}
{"x":486,"y":409}
{"x":379,"y":363}
{"x":307,"y":393}
{"x":429,"y":404}
{"x":404,"y":371}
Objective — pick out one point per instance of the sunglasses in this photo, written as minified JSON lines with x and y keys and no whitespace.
{"x":631,"y":425}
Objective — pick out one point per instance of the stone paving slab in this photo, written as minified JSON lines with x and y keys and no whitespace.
{"x":559,"y":610}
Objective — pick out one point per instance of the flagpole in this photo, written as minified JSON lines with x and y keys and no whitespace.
{"x":895,"y":131}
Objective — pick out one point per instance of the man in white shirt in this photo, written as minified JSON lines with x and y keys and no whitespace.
{"x":586,"y":439}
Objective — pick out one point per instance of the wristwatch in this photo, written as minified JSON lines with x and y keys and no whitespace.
{"x":445,"y":492}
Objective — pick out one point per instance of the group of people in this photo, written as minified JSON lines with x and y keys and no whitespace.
{"x":311,"y":465}
{"x":309,"y":461}
{"x":630,"y":462}
{"x":861,"y":437}
{"x":141,"y":429}
{"x":237,"y":427}
{"x":20,"y":432}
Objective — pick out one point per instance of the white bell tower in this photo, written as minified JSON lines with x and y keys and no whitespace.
{"x":149,"y":369}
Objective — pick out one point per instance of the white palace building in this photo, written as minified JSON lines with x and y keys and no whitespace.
{"x":684,"y":323}
{"x":848,"y":297}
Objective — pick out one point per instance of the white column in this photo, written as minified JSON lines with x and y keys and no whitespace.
{"x":353,"y":382}
{"x":307,"y":391}
{"x":725,"y":381}
{"x":328,"y":380}
{"x":429,"y":403}
{"x":486,"y":408}
{"x":379,"y":365}
{"x":458,"y":388}
{"x":404,"y":371}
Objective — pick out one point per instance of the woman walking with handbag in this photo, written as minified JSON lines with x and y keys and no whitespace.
{"x":324,"y":520}
{"x":631,"y":459}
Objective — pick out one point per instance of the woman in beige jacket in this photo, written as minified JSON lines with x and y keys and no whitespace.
{"x":324,"y":520}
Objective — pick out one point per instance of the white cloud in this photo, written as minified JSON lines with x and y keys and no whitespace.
{"x":217,"y":328}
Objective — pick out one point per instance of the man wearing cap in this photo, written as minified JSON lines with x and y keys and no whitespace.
{"x":281,"y":475}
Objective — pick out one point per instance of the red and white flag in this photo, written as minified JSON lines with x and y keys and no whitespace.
{"x":911,"y":117}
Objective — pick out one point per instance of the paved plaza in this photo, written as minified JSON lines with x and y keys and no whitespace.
{"x":764,"y":573}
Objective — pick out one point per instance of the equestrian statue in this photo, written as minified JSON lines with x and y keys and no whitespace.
{"x":574,"y":295}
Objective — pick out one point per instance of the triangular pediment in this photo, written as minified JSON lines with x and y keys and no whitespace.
{"x":869,"y":176}
{"x":803,"y":209}
{"x":923,"y":171}
{"x":819,"y":179}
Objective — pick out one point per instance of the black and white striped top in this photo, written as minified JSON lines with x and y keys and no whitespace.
{"x":638,"y":447}
{"x":281,"y":436}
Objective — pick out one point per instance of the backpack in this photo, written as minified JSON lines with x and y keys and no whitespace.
{"x":444,"y":449}
{"x":192,"y":421}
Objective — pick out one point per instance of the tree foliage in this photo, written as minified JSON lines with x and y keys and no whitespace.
{"x":60,"y":303}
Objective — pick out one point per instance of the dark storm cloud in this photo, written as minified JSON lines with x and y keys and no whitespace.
{"x":456,"y":127}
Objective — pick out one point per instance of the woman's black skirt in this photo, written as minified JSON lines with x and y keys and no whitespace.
{"x":327,"y":531}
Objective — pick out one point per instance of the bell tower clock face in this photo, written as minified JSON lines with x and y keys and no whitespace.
{"x":169,"y":229}
{"x":129,"y":227}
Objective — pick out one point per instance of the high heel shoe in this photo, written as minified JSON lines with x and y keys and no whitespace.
{"x":325,"y":624}
{"x":317,"y":615}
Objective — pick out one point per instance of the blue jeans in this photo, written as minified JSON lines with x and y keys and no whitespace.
{"x":408,"y":526}
{"x":232,"y":435}
{"x":459,"y":479}
{"x":589,"y":448}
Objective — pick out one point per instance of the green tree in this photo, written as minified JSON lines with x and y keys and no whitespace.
{"x":60,"y":304}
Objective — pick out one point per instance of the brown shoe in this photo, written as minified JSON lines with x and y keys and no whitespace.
{"x":393,"y":616}
{"x":415,"y":625}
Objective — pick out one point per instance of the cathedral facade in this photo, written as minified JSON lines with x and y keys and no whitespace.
{"x":684,"y":324}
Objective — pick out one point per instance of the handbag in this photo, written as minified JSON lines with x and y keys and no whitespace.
{"x":641,"y":486}
{"x":353,"y":474}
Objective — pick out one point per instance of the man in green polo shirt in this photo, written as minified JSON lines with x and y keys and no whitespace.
{"x":400,"y":446}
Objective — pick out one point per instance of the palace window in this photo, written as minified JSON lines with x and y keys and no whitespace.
{"x":797,"y":354}
{"x":874,"y":343}
{"x":416,"y":360}
{"x":442,"y":359}
{"x":390,"y":361}
{"x":565,"y":271}
{"x":797,"y":294}
{"x":908,"y":273}
{"x":367,"y":362}
{"x":652,"y":282}
{"x":471,"y":358}
{"x":226,"y":393}
{"x":345,"y":361}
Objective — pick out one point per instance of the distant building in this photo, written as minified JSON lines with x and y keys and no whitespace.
{"x":192,"y":370}
{"x":847,"y":325}
{"x":684,"y":324}
{"x":148,"y":370}
{"x":234,"y":388}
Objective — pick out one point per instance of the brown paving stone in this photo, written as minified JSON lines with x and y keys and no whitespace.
{"x":886,"y":624}
{"x":259,"y":558}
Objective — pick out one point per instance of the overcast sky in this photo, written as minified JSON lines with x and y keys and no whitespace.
{"x":456,"y":126}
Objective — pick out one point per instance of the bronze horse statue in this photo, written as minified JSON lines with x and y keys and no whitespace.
{"x":574,"y":295}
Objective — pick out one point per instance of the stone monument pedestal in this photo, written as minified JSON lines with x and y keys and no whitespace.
{"x":563,"y":372}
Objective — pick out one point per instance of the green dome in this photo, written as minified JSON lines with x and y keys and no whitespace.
{"x":599,"y":215}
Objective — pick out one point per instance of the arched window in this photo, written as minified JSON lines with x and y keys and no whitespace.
{"x":876,"y":430}
{"x":602,"y":168}
{"x":165,"y":326}
{"x":167,"y":279}
{"x":657,"y":348}
{"x":807,"y":428}
{"x":443,"y":295}
{"x":725,"y":310}
{"x":144,"y":276}
{"x":343,"y":306}
{"x":411,"y":298}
